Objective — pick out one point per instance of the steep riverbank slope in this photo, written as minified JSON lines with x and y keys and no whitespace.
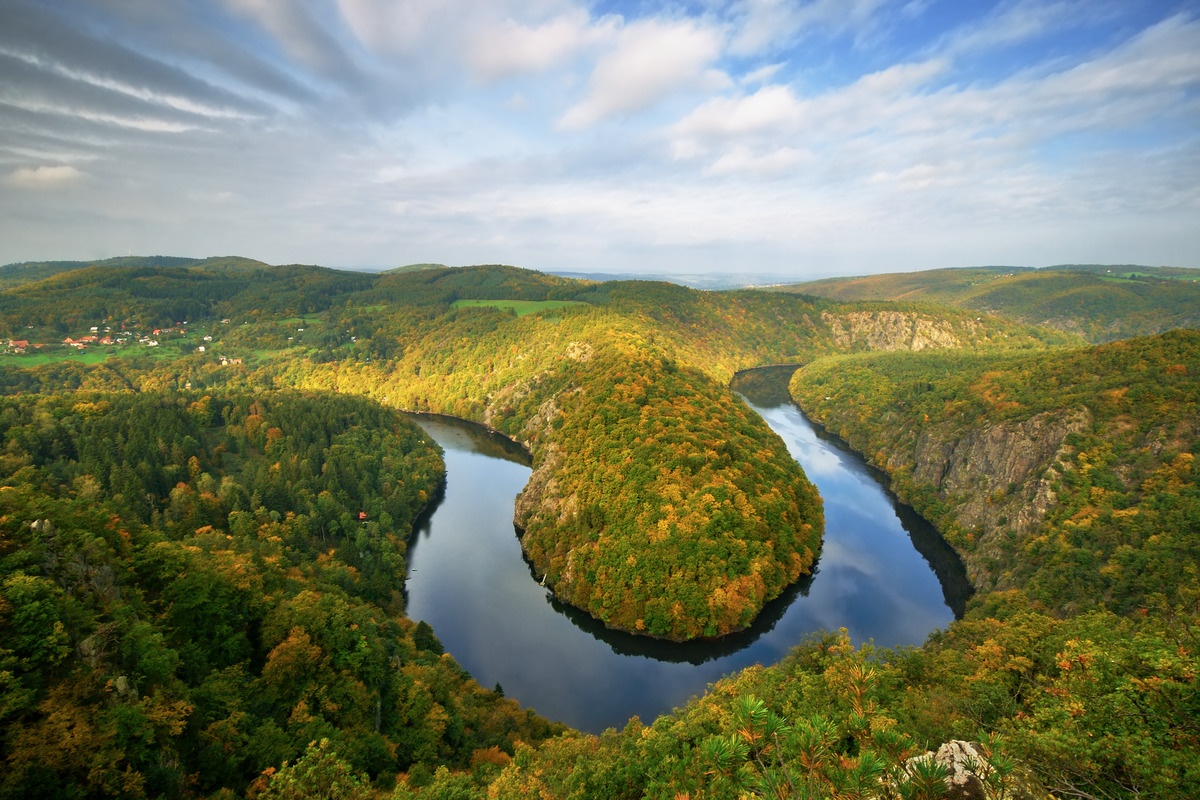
{"x":1070,"y":473}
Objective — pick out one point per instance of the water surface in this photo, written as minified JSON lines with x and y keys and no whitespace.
{"x":469,"y":580}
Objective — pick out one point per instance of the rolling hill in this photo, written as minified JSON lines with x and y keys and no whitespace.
{"x":1099,"y":303}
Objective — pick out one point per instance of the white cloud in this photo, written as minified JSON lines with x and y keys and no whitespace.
{"x":921,"y":176}
{"x":1165,"y":56}
{"x":510,"y":48}
{"x":649,"y":60}
{"x":729,"y":117}
{"x":45,"y":177}
{"x":1018,"y":22}
{"x":766,"y":24}
{"x":874,"y":100}
{"x":413,"y":28}
{"x":1146,"y":78}
{"x":760,"y":75}
{"x":777,"y":163}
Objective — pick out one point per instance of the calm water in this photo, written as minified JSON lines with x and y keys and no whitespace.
{"x":468,"y":579}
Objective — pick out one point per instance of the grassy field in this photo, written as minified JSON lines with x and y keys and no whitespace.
{"x":58,"y":355}
{"x":96,"y":354}
{"x":521,"y":307}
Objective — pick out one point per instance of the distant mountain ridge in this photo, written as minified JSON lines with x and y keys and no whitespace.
{"x":1102,"y":303}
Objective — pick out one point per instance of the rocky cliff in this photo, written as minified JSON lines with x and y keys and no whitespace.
{"x":893,"y":330}
{"x":998,"y":479}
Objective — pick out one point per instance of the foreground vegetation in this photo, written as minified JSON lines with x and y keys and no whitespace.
{"x":190,"y":595}
{"x":201,"y":567}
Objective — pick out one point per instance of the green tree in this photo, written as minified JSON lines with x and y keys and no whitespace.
{"x":319,"y":773}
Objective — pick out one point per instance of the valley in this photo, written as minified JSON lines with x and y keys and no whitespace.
{"x":203,"y":550}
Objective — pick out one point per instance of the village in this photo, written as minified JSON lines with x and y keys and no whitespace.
{"x":123,"y":335}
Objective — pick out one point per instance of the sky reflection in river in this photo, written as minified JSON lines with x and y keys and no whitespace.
{"x":468,"y":579}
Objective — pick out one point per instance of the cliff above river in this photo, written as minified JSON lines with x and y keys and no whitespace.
{"x":1061,"y":472}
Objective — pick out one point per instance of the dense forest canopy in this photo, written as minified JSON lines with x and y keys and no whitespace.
{"x":205,"y":497}
{"x":195,"y":587}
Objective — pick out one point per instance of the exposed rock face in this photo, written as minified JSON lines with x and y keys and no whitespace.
{"x":541,"y":494}
{"x":969,"y":776}
{"x":889,"y":330}
{"x":999,"y":477}
{"x":580,"y":351}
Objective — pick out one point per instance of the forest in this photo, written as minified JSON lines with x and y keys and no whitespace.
{"x":203,"y":540}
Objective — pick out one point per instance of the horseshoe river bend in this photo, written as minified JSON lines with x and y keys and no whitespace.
{"x":883,"y":574}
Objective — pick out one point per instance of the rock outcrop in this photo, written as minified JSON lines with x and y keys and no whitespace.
{"x":969,"y":776}
{"x":889,"y":330}
{"x":999,"y":477}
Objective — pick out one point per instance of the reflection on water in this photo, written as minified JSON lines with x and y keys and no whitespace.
{"x":469,"y":580}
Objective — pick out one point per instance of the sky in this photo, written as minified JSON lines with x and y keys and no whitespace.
{"x":803,"y":138}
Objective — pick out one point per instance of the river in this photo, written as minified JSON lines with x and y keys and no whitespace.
{"x":877,"y":576}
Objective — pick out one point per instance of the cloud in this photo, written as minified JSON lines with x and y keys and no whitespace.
{"x":777,"y":114}
{"x":724,"y":118}
{"x":760,"y":75}
{"x":777,"y":163}
{"x":40,"y":40}
{"x":1013,"y":23}
{"x":911,"y":128}
{"x":649,"y":60}
{"x":424,"y":52}
{"x":55,"y":92}
{"x":763,"y":25}
{"x":510,"y":48}
{"x":749,"y":129}
{"x":45,"y":177}
{"x":400,"y":29}
{"x":173,"y":99}
{"x":303,"y":37}
{"x":1164,"y":57}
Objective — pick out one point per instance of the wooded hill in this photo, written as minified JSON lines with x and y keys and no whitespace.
{"x":194,"y":588}
{"x":1070,"y":477}
{"x":658,"y":504}
{"x":622,"y":398}
{"x":1100,"y":303}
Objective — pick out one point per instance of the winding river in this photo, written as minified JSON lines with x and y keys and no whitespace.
{"x":883,"y":574}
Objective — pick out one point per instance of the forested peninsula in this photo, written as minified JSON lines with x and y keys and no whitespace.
{"x":206,"y":492}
